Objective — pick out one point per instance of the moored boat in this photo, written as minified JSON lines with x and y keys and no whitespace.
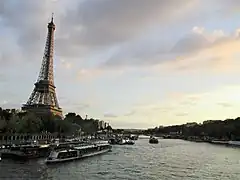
{"x":24,"y":152}
{"x":129,"y":142}
{"x":133,"y":137}
{"x":121,"y":141}
{"x":113,"y":141}
{"x":77,"y":152}
{"x":153,"y":140}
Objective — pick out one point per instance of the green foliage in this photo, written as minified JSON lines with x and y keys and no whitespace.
{"x":89,"y":126}
{"x":26,"y":122}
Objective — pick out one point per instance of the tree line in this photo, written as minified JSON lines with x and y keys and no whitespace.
{"x":27,"y":122}
{"x":220,"y":129}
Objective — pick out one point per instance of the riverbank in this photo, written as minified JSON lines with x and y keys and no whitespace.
{"x":204,"y":139}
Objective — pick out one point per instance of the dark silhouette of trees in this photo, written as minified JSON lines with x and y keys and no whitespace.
{"x":26,"y":122}
{"x":218,"y":129}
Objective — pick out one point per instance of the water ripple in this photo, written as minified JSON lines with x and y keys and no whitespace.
{"x":168,"y":160}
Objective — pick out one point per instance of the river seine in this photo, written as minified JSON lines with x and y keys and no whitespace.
{"x":168,"y":160}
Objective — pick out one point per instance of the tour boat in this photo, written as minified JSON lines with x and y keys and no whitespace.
{"x":153,"y":140}
{"x":77,"y":152}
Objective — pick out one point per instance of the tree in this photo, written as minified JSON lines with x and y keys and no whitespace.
{"x":30,"y":124}
{"x":27,"y":122}
{"x":63,"y":126}
{"x":109,"y":128}
{"x":13,"y":123}
{"x":3,"y":124}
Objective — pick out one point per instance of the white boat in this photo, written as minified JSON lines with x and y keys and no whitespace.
{"x":129,"y":142}
{"x":235,"y":143}
{"x":77,"y":152}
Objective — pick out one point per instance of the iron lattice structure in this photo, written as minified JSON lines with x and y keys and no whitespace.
{"x":43,"y":99}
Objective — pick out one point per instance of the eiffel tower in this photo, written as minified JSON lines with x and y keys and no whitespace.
{"x":43,"y":99}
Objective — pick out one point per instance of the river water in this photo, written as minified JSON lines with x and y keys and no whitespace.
{"x":168,"y":160}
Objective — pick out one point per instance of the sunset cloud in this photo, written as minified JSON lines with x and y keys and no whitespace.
{"x":218,"y":56}
{"x":146,"y":63}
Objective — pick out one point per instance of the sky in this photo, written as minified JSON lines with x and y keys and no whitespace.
{"x":132,"y":63}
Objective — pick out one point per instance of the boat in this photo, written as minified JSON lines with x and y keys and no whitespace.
{"x":116,"y":140}
{"x":121,"y":141}
{"x":153,"y":140}
{"x":77,"y":152}
{"x":24,"y":152}
{"x":133,"y":137}
{"x":129,"y":142}
{"x":113,"y":141}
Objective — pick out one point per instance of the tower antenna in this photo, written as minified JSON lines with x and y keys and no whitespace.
{"x":52,"y":16}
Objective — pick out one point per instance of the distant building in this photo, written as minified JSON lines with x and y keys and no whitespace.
{"x":106,"y":125}
{"x":101,"y":125}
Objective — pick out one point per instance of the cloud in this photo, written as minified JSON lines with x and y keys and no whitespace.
{"x":221,"y":56}
{"x":88,"y":27}
{"x":70,"y":105}
{"x":81,"y":106}
{"x":181,"y":114}
{"x":210,"y":36}
{"x":84,"y":28}
{"x":2,"y":78}
{"x":109,"y":22}
{"x":110,"y":115}
{"x":188,"y":102}
{"x":113,"y":115}
{"x":130,"y":124}
{"x":91,"y":73}
{"x":199,"y":39}
{"x":195,"y":50}
{"x":9,"y":105}
{"x":228,"y":8}
{"x":130,"y":113}
{"x":190,"y":43}
{"x":152,"y":107}
{"x":88,"y":73}
{"x":27,"y":20}
{"x":65,"y":64}
{"x":225,"y":96}
{"x":114,"y":27}
{"x":225,"y":104}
